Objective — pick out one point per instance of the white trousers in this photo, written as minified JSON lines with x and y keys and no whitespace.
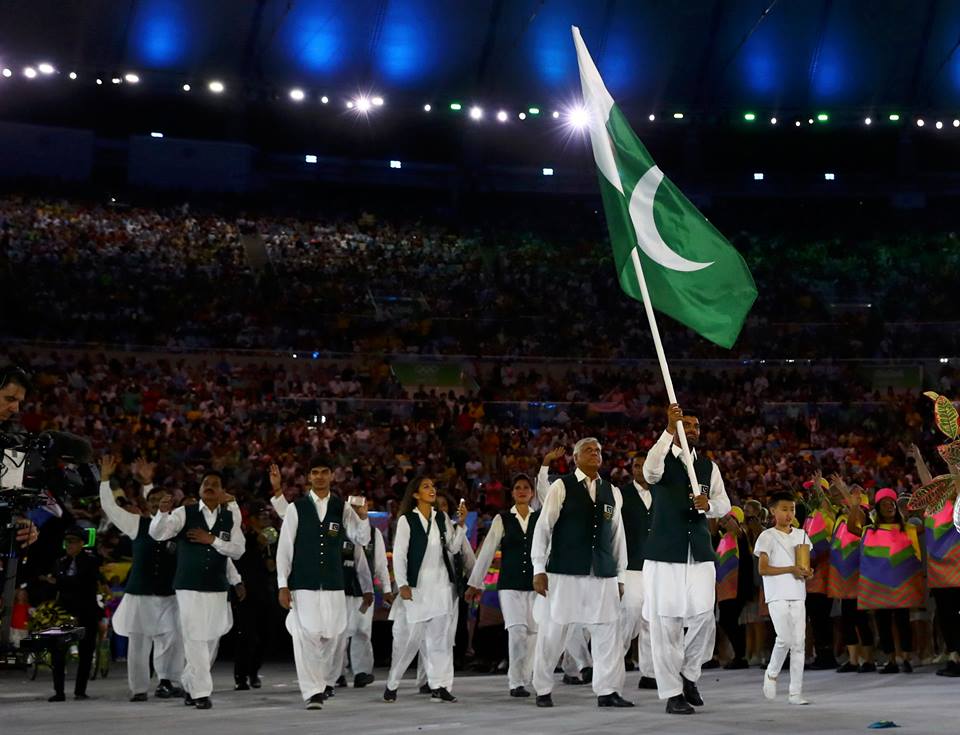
{"x":434,"y":635}
{"x":790,"y":622}
{"x":356,"y":639}
{"x":676,"y":653}
{"x":576,"y":650}
{"x":633,"y":625}
{"x":200,"y":655}
{"x":522,"y":645}
{"x":451,"y":640}
{"x":167,"y":659}
{"x":314,"y":657}
{"x":607,"y":655}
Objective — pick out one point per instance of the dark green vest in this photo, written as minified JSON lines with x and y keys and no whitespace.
{"x":636,"y":525}
{"x":351,"y":580}
{"x":154,"y":565}
{"x":676,"y":525}
{"x":418,"y":546}
{"x":200,"y":566}
{"x":516,"y":568}
{"x":318,"y":548}
{"x":582,"y":541}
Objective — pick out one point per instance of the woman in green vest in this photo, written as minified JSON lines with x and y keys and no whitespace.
{"x":512,"y":533}
{"x":425,"y":543}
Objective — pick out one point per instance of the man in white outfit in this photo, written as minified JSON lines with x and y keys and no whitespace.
{"x":147,"y":614}
{"x":310,"y":577}
{"x":679,"y":570}
{"x":358,"y":590}
{"x":208,"y":534}
{"x":579,"y":555}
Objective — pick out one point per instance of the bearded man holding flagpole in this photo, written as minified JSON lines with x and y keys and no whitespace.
{"x":702,"y":282}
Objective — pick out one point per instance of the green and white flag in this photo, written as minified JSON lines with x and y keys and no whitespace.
{"x":693,"y":274}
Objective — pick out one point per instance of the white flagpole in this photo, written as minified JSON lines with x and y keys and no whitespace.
{"x":664,"y":368}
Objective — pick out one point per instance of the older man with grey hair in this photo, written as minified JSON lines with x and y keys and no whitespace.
{"x":579,"y":558}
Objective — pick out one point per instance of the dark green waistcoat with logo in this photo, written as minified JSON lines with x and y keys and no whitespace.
{"x":154,"y":565}
{"x":318,"y":548}
{"x":676,"y":525}
{"x":516,"y":568}
{"x":582,"y":542}
{"x":418,"y":545}
{"x":200,"y":566}
{"x":636,"y":525}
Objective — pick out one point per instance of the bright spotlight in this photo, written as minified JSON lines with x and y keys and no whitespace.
{"x":829,"y":177}
{"x":555,"y":114}
{"x":324,"y":100}
{"x":456,"y":106}
{"x":867,"y":121}
{"x":377,"y":101}
{"x":809,"y":121}
{"x":773,"y":121}
{"x":548,"y":172}
{"x":502,"y":116}
{"x":156,"y":135}
{"x":522,"y":116}
{"x":749,"y":116}
{"x":797,"y":123}
{"x":427,"y":108}
{"x":186,"y":88}
{"x":310,"y":158}
{"x":476,"y":113}
{"x":30,"y":72}
{"x":894,"y":117}
{"x":116,"y":80}
{"x":7,"y":73}
{"x":350,"y":104}
{"x":920,"y":123}
{"x":578,"y":117}
{"x":823,"y":117}
{"x":678,"y":116}
{"x":73,"y":75}
{"x":362,"y":104}
{"x":45,"y":68}
{"x":758,"y":176}
{"x":99,"y":82}
{"x":132,"y":78}
{"x":396,"y":164}
{"x":651,"y":117}
{"x":533,"y":111}
{"x":297,"y":95}
{"x":939,"y":125}
{"x":956,"y":123}
{"x":216,"y":87}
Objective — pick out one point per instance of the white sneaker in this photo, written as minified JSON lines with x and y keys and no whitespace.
{"x":797,"y":699}
{"x":769,"y":687}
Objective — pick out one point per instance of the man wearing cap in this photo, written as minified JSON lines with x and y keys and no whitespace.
{"x":678,"y":569}
{"x":579,"y":555}
{"x":310,"y":577}
{"x":147,"y":614}
{"x":207,"y":534}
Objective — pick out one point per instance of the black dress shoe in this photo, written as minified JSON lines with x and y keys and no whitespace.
{"x":890,"y":668}
{"x":166,"y":690}
{"x":58,"y":697}
{"x":329,"y":692}
{"x":141,"y":697}
{"x":572,"y":680}
{"x":203,"y":703}
{"x":647,"y":682}
{"x":425,"y":689}
{"x":952,"y":669}
{"x":389,"y":695}
{"x":691,"y":693}
{"x":544,"y":700}
{"x":868,"y":668}
{"x":342,"y":681}
{"x":678,"y":705}
{"x":361,"y":680}
{"x":241,"y":685}
{"x":586,"y":674}
{"x":315,"y":702}
{"x":711,"y":664}
{"x":613,"y":700}
{"x":906,"y":667}
{"x":255,"y":681}
{"x":823,"y":664}
{"x":519,"y":692}
{"x":188,"y":700}
{"x":442,"y":695}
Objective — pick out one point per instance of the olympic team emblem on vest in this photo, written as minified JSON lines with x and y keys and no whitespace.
{"x":333,"y":530}
{"x":608,"y":512}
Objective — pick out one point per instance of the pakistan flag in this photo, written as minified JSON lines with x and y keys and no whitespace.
{"x":692,"y":273}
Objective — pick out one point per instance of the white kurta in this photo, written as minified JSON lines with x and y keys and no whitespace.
{"x":577,"y":598}
{"x":321,"y":613}
{"x":433,"y":595}
{"x":681,"y":590}
{"x":204,"y":616}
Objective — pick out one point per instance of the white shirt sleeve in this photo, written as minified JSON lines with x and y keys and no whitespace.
{"x":165,"y":526}
{"x":127,"y":522}
{"x":233,"y":576}
{"x":280,"y":505}
{"x":653,"y":465}
{"x":469,"y":555}
{"x":762,"y":545}
{"x":543,"y":485}
{"x":288,"y":534}
{"x":487,"y":551}
{"x":619,"y":538}
{"x":456,"y":535}
{"x":380,"y":560}
{"x":358,"y":530}
{"x":401,"y":543}
{"x":543,"y":533}
{"x":363,"y":569}
{"x":719,"y":502}
{"x":237,"y":544}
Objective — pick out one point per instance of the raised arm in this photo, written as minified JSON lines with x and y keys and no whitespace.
{"x":543,"y":533}
{"x":488,"y":550}
{"x":127,"y":522}
{"x":653,"y":465}
{"x":357,"y":525}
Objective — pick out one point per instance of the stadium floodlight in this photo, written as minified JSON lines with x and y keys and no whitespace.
{"x":939,"y":125}
{"x":363,"y":104}
{"x":867,"y":121}
{"x":309,"y":158}
{"x":73,"y":75}
{"x":476,"y":113}
{"x":116,"y":80}
{"x":456,"y":106}
{"x":427,"y":107}
{"x":533,"y":111}
{"x":502,"y":116}
{"x":894,"y":117}
{"x":555,"y":114}
{"x":758,"y":176}
{"x":297,"y":95}
{"x":797,"y":123}
{"x":350,"y":104}
{"x":548,"y":172}
{"x":156,"y":135}
{"x":809,"y":121}
{"x":651,"y":117}
{"x":29,"y":72}
{"x":773,"y":121}
{"x":578,"y":117}
{"x":324,"y":100}
{"x":216,"y":87}
{"x":956,"y":123}
{"x":186,"y":88}
{"x":944,"y":360}
{"x":749,"y":116}
{"x":396,"y":164}
{"x":45,"y":68}
{"x":131,"y":78}
{"x":822,"y":117}
{"x":7,"y":73}
{"x":829,"y":177}
{"x":678,"y":116}
{"x":99,"y":81}
{"x":522,"y":116}
{"x":376,"y":101}
{"x":920,"y":122}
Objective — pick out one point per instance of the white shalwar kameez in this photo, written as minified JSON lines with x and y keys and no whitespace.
{"x":204,"y":616}
{"x":148,"y":621}
{"x":317,"y":618}
{"x":578,"y":599}
{"x":679,"y":596}
{"x":426,"y":618}
{"x":360,"y":625}
{"x":632,"y":623}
